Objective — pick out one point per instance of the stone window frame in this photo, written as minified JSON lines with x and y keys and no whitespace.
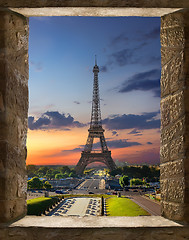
{"x":174,"y":121}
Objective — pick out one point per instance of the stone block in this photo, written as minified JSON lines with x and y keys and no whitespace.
{"x":167,"y":54}
{"x":13,"y":185}
{"x":173,"y":131}
{"x":12,"y":209}
{"x":177,"y":106}
{"x":13,"y":129}
{"x":162,"y":234}
{"x":174,"y":211}
{"x":165,"y":111}
{"x":172,"y":169}
{"x":16,"y":97}
{"x":164,"y":153}
{"x":12,"y":158}
{"x":177,"y":150}
{"x":165,"y":82}
{"x":3,"y":234}
{"x":172,"y":20}
{"x":19,"y":233}
{"x":172,"y":37}
{"x":175,"y":37}
{"x":172,"y":78}
{"x":13,"y":21}
{"x":173,"y":190}
{"x":182,"y":234}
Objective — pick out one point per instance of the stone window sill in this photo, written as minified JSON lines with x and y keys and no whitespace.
{"x":94,"y":222}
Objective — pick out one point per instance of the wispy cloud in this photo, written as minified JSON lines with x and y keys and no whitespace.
{"x":121,"y":38}
{"x":144,"y":81}
{"x":153,"y":34}
{"x":122,"y":143}
{"x":38,"y":67}
{"x":76,"y":102}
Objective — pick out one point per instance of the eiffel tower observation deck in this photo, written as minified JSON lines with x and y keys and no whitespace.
{"x":95,"y":131}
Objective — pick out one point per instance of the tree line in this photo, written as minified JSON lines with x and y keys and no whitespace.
{"x":150,"y":173}
{"x":55,"y":172}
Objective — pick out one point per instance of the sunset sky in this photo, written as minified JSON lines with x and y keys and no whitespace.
{"x":61,"y":59}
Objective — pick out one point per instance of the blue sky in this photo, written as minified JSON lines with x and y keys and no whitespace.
{"x":61,"y":58}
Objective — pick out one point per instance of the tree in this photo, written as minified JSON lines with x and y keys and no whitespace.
{"x":124,"y":181}
{"x":59,"y":176}
{"x":35,"y":183}
{"x":49,"y":174}
{"x":42,"y":171}
{"x":136,"y":181}
{"x":72,"y":174}
{"x":47,"y":185}
{"x":31,"y":170}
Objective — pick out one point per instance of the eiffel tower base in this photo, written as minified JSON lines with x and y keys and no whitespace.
{"x":90,"y":157}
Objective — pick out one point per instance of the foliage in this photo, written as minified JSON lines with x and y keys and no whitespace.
{"x":35,"y":183}
{"x":137,"y":181}
{"x":124,"y":181}
{"x":59,"y":176}
{"x":151,"y":173}
{"x":37,"y":206}
{"x":88,"y":171}
{"x":123,"y":207}
{"x":47,"y":185}
{"x":50,"y":172}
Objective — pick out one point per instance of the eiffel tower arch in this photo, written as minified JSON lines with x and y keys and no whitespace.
{"x":95,"y":131}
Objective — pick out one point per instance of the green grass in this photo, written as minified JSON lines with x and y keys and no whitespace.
{"x":123,"y":207}
{"x":37,"y":206}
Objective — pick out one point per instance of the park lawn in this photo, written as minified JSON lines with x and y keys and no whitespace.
{"x":36,"y":206}
{"x":123,"y":206}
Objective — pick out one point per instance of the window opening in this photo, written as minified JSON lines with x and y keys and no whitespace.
{"x":61,"y":83}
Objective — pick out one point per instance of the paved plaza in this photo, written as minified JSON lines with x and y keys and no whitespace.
{"x":78,"y":207}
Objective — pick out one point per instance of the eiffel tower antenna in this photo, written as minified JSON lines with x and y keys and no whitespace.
{"x":95,"y":131}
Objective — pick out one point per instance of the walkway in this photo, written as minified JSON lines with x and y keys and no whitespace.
{"x":78,"y":207}
{"x":150,"y":206}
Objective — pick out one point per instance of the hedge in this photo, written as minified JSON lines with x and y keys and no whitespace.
{"x":37,"y":206}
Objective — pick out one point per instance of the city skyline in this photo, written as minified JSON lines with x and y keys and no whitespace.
{"x":61,"y":82}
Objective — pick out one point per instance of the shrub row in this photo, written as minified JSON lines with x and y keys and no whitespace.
{"x":38,"y":206}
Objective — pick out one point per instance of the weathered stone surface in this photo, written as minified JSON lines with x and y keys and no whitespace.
{"x":172,"y":169}
{"x":168,"y":54}
{"x":177,"y":106}
{"x":177,"y":148}
{"x":165,"y":112}
{"x":92,"y":3}
{"x":174,"y":211}
{"x":174,"y":131}
{"x":12,"y":209}
{"x":172,"y":37}
{"x":172,"y":20}
{"x":164,"y":153}
{"x":173,"y":190}
{"x":172,"y":75}
{"x":143,"y":233}
{"x":13,"y":114}
{"x":161,"y":234}
{"x":3,"y":233}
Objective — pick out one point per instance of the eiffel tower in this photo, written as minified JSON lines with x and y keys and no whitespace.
{"x":95,"y":131}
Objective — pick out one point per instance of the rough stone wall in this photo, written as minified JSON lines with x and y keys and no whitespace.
{"x":13,"y":114}
{"x":174,"y":151}
{"x":142,"y":233}
{"x":96,"y":3}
